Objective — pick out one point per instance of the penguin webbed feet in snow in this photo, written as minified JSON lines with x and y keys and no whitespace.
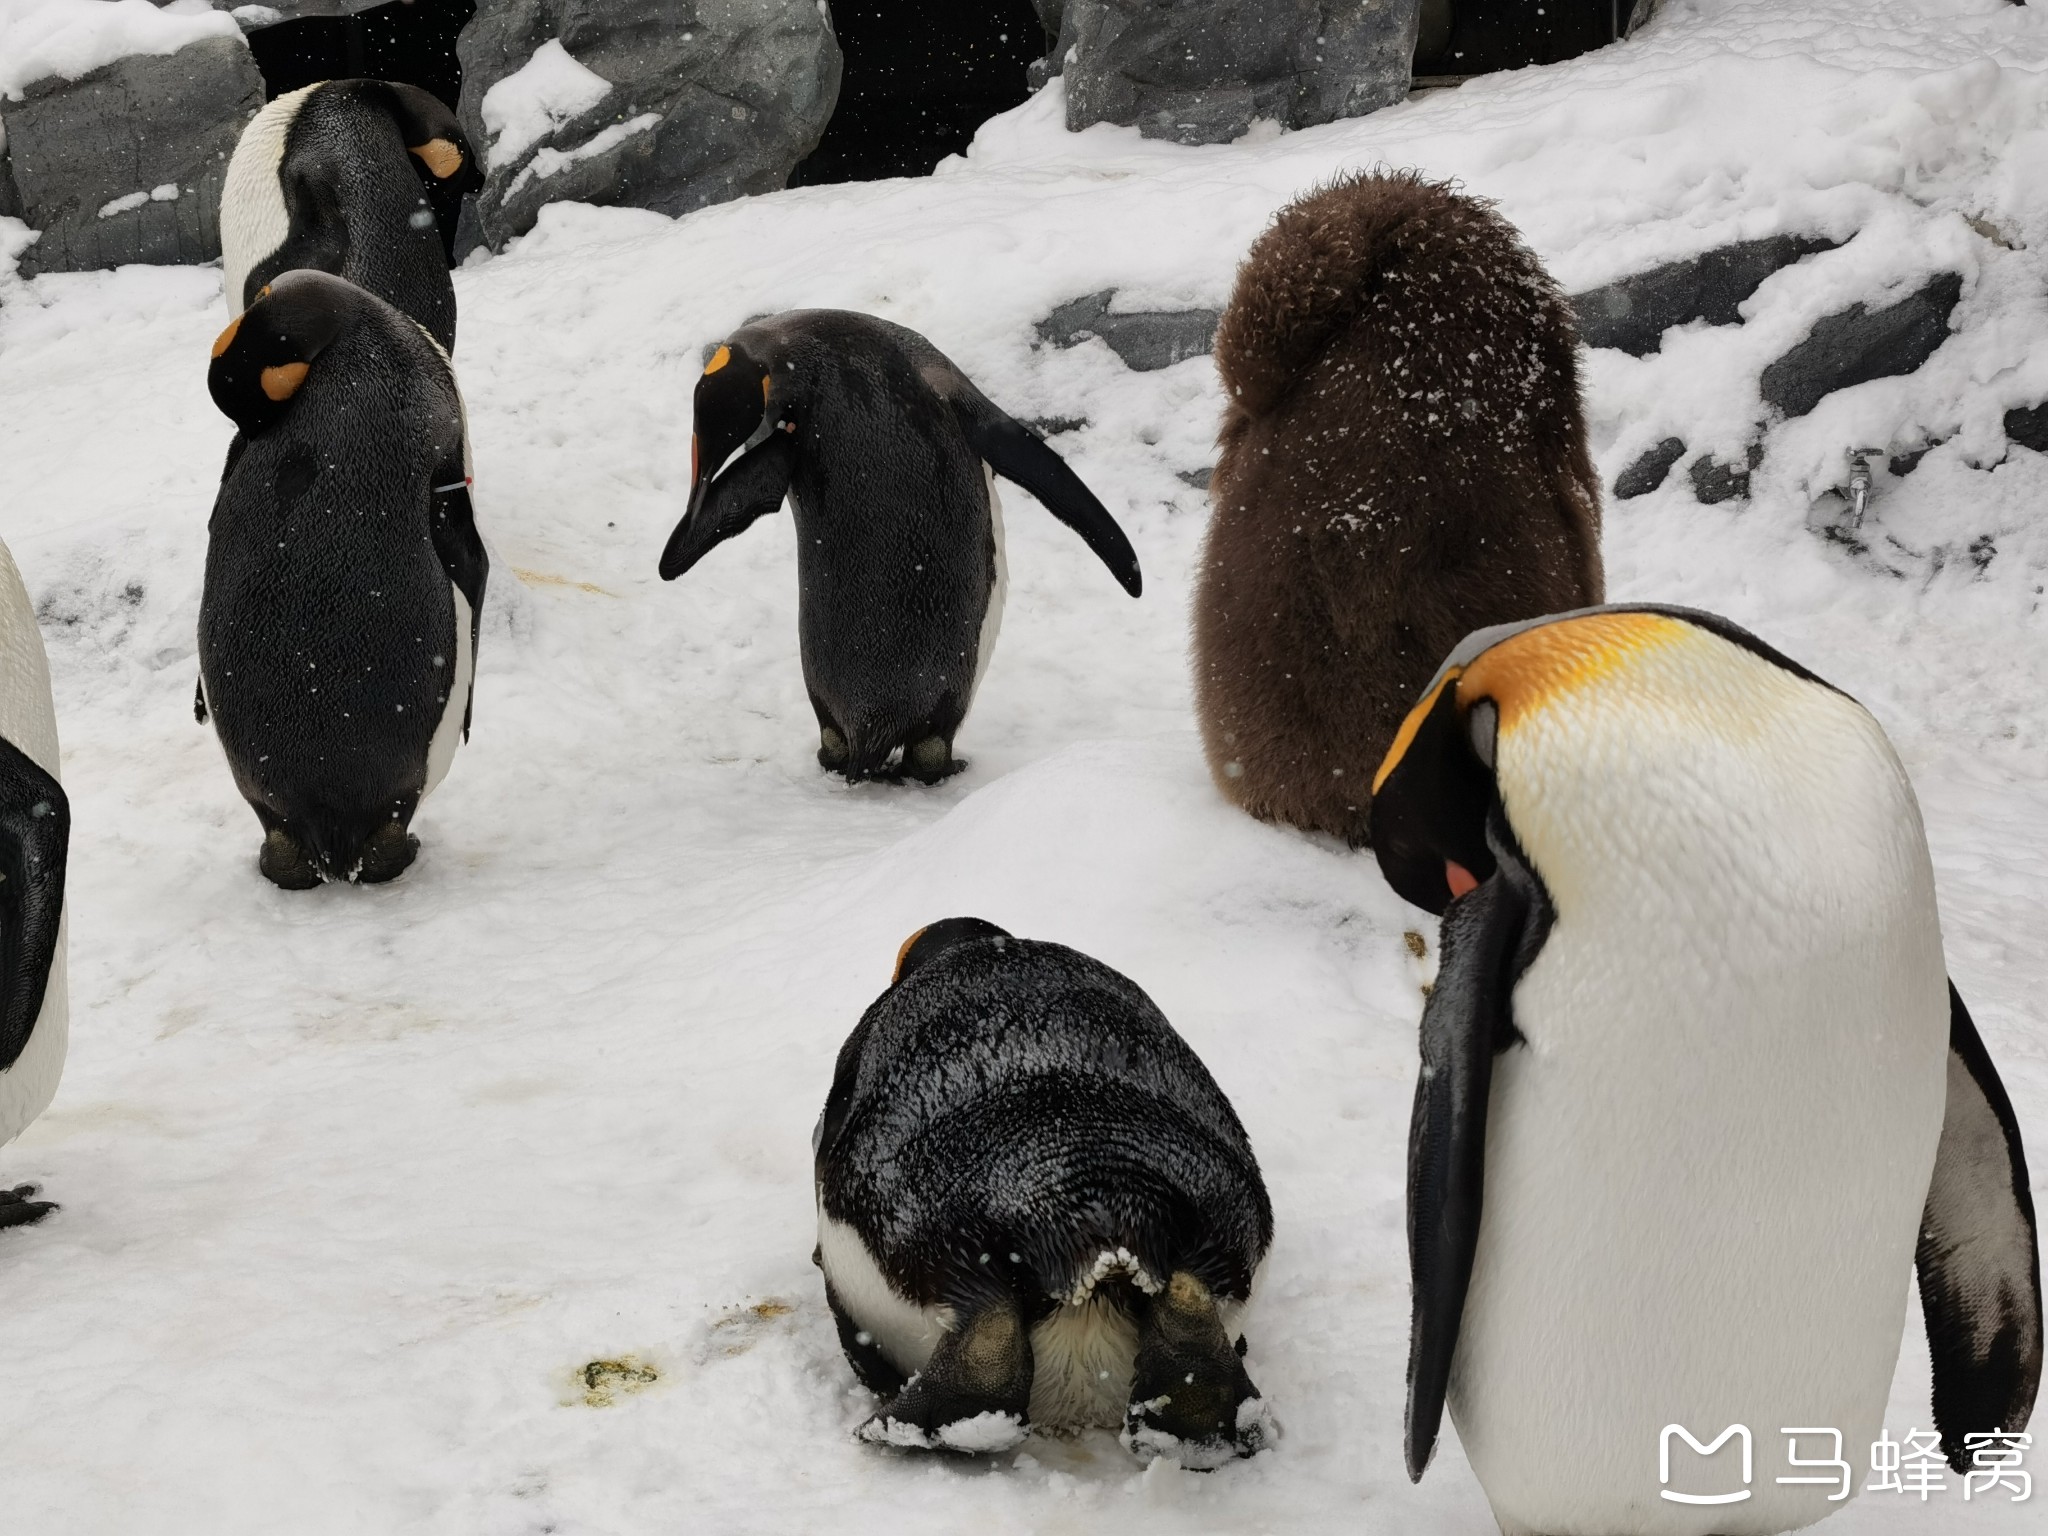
{"x":974,"y":1392}
{"x":1191,"y":1398}
{"x":928,"y":760}
{"x":387,"y":855}
{"x":20,"y":1208}
{"x":286,"y":864}
{"x":931,"y":760}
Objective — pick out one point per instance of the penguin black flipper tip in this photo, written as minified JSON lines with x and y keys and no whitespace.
{"x":20,"y":1208}
{"x":1017,"y":453}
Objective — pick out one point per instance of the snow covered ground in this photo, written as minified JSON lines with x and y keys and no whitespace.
{"x":359,"y":1184}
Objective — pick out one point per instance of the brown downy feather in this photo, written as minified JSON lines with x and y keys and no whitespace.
{"x":1403,"y":461}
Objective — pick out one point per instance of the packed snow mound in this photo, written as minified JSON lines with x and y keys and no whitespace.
{"x":439,"y":1147}
{"x":70,"y":38}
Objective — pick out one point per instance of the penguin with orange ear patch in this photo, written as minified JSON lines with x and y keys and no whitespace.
{"x":1696,"y":1090}
{"x":887,"y":455}
{"x":361,"y":178}
{"x":344,"y":577}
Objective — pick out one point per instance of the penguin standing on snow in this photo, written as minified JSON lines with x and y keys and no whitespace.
{"x":1035,"y":1206}
{"x":1694,"y":1043}
{"x":35,"y":836}
{"x":344,"y":577}
{"x":361,"y":178}
{"x":1403,"y":460}
{"x":887,"y":453}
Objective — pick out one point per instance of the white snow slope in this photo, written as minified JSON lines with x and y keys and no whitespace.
{"x":357,"y":1183}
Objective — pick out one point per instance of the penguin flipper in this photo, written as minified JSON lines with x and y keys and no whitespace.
{"x":1017,"y":453}
{"x":1979,"y":1255}
{"x":35,"y":835}
{"x":1465,"y":1024}
{"x":461,"y":550}
{"x":728,"y":505}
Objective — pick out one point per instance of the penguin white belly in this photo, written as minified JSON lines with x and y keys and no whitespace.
{"x":28,"y":719}
{"x":1705,"y":1169}
{"x":905,"y":1332}
{"x":27,"y":1087}
{"x":254,"y":221}
{"x":448,"y":734}
{"x":992,"y":617}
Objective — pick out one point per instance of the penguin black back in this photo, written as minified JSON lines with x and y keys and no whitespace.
{"x":360,"y":178}
{"x":1403,"y":461}
{"x":885,"y":451}
{"x":343,"y":575}
{"x":1015,"y":1126}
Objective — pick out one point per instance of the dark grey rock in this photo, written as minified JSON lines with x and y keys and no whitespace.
{"x":1648,"y":472}
{"x":1053,"y":426}
{"x":1633,"y":314}
{"x":740,"y":92}
{"x":1903,"y":464}
{"x":2028,"y":427}
{"x":141,"y":123}
{"x":1145,"y":340}
{"x":1861,"y":344}
{"x":1714,"y":481}
{"x":1198,"y":478}
{"x":1200,"y":71}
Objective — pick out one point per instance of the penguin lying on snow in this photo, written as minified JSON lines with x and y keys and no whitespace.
{"x":1694,"y":1042}
{"x":344,"y":577}
{"x":35,"y":836}
{"x":361,"y":178}
{"x":887,"y":454}
{"x":1403,"y":460}
{"x":1036,"y":1206}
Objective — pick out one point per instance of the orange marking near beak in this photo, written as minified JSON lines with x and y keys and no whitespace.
{"x":718,"y":360}
{"x":904,"y":954}
{"x":283,"y":381}
{"x":441,"y":157}
{"x":1405,"y":737}
{"x":226,"y":338}
{"x":1458,"y":878}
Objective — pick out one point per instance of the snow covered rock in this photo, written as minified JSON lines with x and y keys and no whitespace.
{"x":1633,"y":314}
{"x":1860,"y":344}
{"x":1203,"y":71}
{"x":1648,"y":472}
{"x":1144,"y":339}
{"x":660,"y":104}
{"x":116,"y":122}
{"x":2028,"y":428}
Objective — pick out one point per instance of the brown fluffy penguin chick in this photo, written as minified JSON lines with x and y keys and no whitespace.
{"x":1403,"y":461}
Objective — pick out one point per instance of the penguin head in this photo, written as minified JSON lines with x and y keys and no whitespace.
{"x":736,"y":407}
{"x":261,"y":360}
{"x":432,"y":136}
{"x":1437,"y":786}
{"x":936,"y":938}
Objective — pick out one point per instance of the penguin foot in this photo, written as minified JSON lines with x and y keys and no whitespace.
{"x":285,"y":864}
{"x":832,"y":749}
{"x":18,"y":1208}
{"x":972,"y":1394}
{"x":387,"y":855}
{"x":931,"y":760}
{"x":1190,"y":1397}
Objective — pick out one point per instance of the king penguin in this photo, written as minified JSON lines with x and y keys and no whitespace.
{"x":35,"y":836}
{"x":888,"y":456}
{"x":344,"y":577}
{"x":361,"y":178}
{"x":1696,"y":1089}
{"x":1036,"y":1207}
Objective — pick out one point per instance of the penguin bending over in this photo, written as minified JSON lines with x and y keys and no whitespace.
{"x":344,"y":577}
{"x":35,"y":838}
{"x":1696,"y":1088}
{"x":361,"y":178}
{"x":1403,"y":460}
{"x":887,"y":454}
{"x":1035,"y":1206}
